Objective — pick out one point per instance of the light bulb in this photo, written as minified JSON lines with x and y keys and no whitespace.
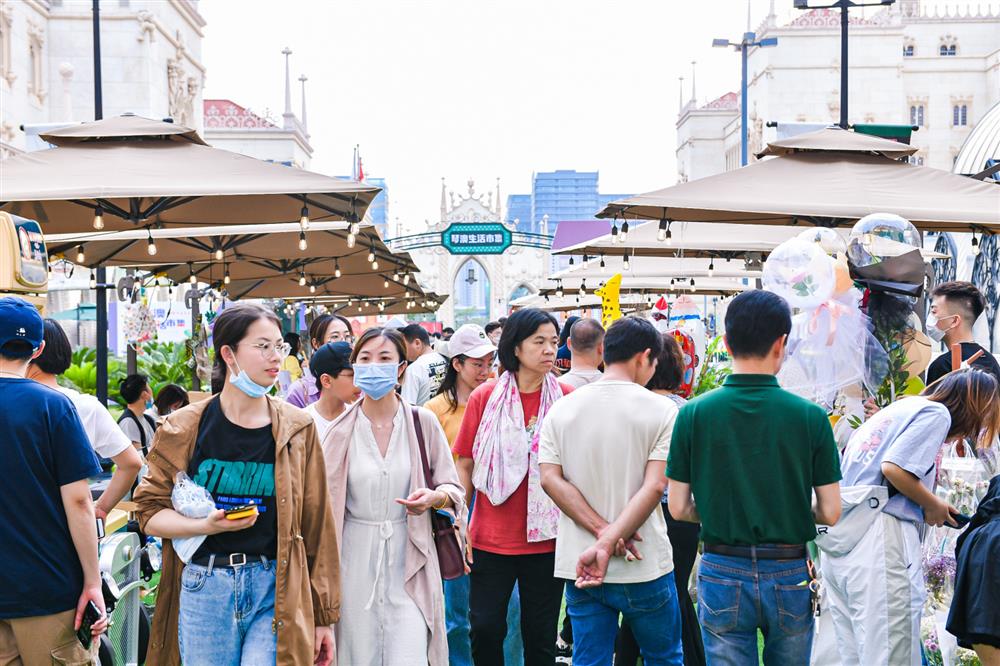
{"x":385,"y":284}
{"x":614,"y":233}
{"x":312,"y":289}
{"x":583,"y":289}
{"x":302,"y":279}
{"x":371,"y":256}
{"x":661,"y":233}
{"x":627,"y":265}
{"x":93,"y":280}
{"x":336,"y":269}
{"x":351,"y":240}
{"x":711,"y":268}
{"x":406,"y":279}
{"x":624,"y":234}
{"x":193,"y":279}
{"x":359,"y":307}
{"x":407,"y":294}
{"x":151,"y":245}
{"x":353,"y":228}
{"x":302,"y":241}
{"x":80,"y":256}
{"x":975,"y":246}
{"x":304,"y":218}
{"x":571,"y":261}
{"x":225,"y":278}
{"x":218,"y":254}
{"x":375,"y":265}
{"x":603,"y":268}
{"x":98,"y":218}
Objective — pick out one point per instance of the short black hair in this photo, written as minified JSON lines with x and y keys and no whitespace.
{"x":415,"y":332}
{"x":586,"y":335}
{"x":502,"y":321}
{"x":492,"y":326}
{"x":669,"y":372}
{"x":965,"y":295}
{"x":519,"y":327}
{"x":16,"y":350}
{"x":629,"y":336}
{"x":170,"y":395}
{"x":447,"y":329}
{"x":132,"y":387}
{"x":567,"y":327}
{"x":294,"y":342}
{"x":57,"y":355}
{"x":755,"y":320}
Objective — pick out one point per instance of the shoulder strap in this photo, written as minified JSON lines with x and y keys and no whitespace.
{"x":421,"y":445}
{"x":127,"y":414}
{"x":151,"y":421}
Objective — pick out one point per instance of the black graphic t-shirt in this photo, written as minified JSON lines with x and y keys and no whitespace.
{"x":236,"y":465}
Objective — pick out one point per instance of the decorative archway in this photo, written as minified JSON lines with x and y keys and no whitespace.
{"x":471,"y":289}
{"x":520,"y":290}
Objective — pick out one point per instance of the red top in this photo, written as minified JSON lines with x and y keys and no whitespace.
{"x":501,"y":529}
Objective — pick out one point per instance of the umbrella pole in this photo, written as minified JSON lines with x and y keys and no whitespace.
{"x":131,"y":357}
{"x":195,"y":321}
{"x":101,"y":276}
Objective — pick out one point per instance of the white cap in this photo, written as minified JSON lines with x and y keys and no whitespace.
{"x":470,"y":340}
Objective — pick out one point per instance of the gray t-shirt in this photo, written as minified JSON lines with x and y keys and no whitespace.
{"x":579,"y":378}
{"x":908,"y":433}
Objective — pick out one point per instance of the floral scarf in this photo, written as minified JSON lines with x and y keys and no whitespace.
{"x":505,"y":451}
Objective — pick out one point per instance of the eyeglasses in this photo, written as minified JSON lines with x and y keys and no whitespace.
{"x":341,"y":337}
{"x":267,"y":349}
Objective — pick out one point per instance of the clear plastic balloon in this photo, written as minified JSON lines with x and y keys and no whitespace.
{"x":828,"y":239}
{"x":863,"y":247}
{"x":801,"y":273}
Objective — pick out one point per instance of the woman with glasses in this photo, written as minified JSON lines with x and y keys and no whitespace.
{"x":325,"y":328}
{"x":392,"y":610}
{"x":264,"y":581}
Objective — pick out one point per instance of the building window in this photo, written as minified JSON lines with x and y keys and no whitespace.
{"x":916,"y":159}
{"x":36,"y":60}
{"x":908,"y":51}
{"x":949,"y":49}
{"x":960,"y":115}
{"x":917,"y":115}
{"x":6,"y":20}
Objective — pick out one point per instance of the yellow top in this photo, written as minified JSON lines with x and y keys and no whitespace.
{"x":291,"y":364}
{"x":451,"y":420}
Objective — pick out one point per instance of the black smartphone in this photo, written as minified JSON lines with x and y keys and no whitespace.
{"x":961,"y":519}
{"x":100,"y":528}
{"x":91,"y":614}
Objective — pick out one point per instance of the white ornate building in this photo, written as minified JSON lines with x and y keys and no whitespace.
{"x":938,"y":69}
{"x":480,"y":286}
{"x":150,"y":56}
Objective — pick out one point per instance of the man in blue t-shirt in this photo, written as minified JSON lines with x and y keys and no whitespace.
{"x":48,"y":534}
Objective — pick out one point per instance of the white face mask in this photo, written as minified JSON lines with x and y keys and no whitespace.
{"x":933,"y":332}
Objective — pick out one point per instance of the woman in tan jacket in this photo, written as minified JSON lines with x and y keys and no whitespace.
{"x":392,"y":600}
{"x":261,"y":589}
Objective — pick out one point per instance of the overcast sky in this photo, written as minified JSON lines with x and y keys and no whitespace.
{"x":480,"y":88}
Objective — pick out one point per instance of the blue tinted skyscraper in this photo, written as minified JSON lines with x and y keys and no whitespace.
{"x":563,"y":195}
{"x":379,"y":210}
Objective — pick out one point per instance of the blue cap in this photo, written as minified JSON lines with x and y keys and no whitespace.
{"x":19,"y":320}
{"x":331,"y":358}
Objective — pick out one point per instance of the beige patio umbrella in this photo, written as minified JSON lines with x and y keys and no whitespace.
{"x":244,"y":252}
{"x":295,"y":287}
{"x":138,"y":172}
{"x":657,"y":286}
{"x":719,"y":241}
{"x":831,"y":177}
{"x":357,"y":307}
{"x":659,"y":267}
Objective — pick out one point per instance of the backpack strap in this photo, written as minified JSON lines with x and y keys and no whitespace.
{"x":127,"y":414}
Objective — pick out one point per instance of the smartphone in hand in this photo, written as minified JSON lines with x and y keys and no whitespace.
{"x":91,"y":614}
{"x":961,"y":519}
{"x":244,"y":511}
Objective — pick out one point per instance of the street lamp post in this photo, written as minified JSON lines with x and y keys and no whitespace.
{"x":843,"y":6}
{"x":749,"y":40}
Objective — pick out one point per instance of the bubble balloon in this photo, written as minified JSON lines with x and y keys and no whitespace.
{"x":828,"y":239}
{"x":801,"y":273}
{"x":861,"y":245}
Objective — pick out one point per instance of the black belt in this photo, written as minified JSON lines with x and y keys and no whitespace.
{"x":762,"y":552}
{"x":227,"y":560}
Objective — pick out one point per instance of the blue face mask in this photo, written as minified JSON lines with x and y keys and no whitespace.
{"x":377,"y":380}
{"x":149,"y":404}
{"x":243,"y":382}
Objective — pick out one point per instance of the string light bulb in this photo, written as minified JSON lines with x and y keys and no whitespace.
{"x":225,"y":278}
{"x":304,"y":218}
{"x":302,"y":278}
{"x":603,"y":268}
{"x":375,"y":265}
{"x":711,"y":268}
{"x":80,"y":256}
{"x":218,"y":254}
{"x":626,"y":265}
{"x":624,"y":234}
{"x":93,"y":280}
{"x":975,"y":246}
{"x":614,"y":233}
{"x":559,"y":290}
{"x":583,"y":288}
{"x":406,"y":279}
{"x":312,"y":289}
{"x":336,"y":268}
{"x":385,"y":284}
{"x":351,"y":240}
{"x":353,"y":228}
{"x":98,"y":218}
{"x":302,"y":241}
{"x":150,"y":243}
{"x":371,"y":254}
{"x":663,"y":231}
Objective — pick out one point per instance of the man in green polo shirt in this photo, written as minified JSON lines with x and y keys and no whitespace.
{"x":744,"y":460}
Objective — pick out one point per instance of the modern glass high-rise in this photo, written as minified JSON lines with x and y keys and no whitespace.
{"x":379,"y":208}
{"x":562,"y":195}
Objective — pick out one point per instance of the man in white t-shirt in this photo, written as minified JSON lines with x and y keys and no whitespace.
{"x":427,"y":368}
{"x":603,"y":451}
{"x":105,"y":436}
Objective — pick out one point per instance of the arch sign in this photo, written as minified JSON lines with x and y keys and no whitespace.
{"x":476,"y":238}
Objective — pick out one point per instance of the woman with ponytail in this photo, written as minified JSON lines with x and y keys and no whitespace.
{"x":263,"y":588}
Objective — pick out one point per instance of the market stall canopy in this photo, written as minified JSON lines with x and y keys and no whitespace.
{"x":660,"y":286}
{"x":358,"y":307}
{"x":812,"y":181}
{"x":146,"y":173}
{"x":659,"y":267}
{"x":570,"y":302}
{"x":293,"y":287}
{"x":245,"y":251}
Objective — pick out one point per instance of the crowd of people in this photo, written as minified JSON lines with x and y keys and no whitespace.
{"x":413,"y":500}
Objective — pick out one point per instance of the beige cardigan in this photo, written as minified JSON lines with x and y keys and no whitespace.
{"x":423,"y":575}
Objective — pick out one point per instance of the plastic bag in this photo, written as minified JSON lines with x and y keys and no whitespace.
{"x":193,"y":501}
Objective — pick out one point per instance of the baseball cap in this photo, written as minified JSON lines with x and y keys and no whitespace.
{"x":19,"y":320}
{"x":470,"y":340}
{"x":331,"y":358}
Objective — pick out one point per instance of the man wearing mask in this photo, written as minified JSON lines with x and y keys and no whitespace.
{"x":955,"y":307}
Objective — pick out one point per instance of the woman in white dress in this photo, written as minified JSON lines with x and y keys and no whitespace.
{"x":392,"y":608}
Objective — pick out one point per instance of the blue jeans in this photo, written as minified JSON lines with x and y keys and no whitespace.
{"x":650,"y":609}
{"x":738,"y":595}
{"x":456,"y":620}
{"x":226,"y":613}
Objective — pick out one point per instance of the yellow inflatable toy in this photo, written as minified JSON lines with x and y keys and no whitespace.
{"x":610,"y":300}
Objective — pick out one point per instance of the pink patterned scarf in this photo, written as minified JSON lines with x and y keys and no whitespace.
{"x":505,"y":451}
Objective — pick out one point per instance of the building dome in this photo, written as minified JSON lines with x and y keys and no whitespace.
{"x":982,"y":144}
